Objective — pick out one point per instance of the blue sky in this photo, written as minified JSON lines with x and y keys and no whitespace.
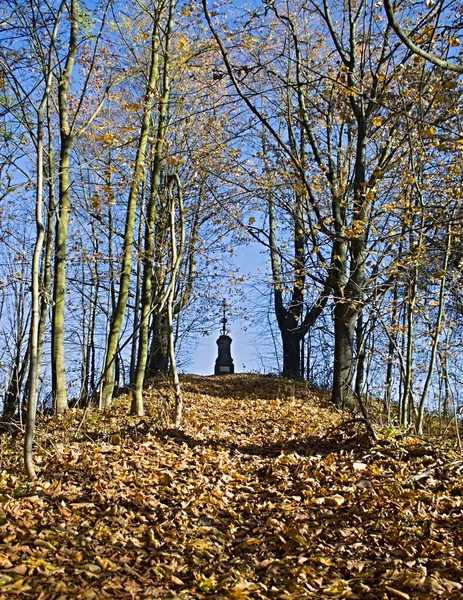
{"x":252,"y":347}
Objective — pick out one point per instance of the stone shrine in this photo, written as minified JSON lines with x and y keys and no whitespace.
{"x":224,"y":362}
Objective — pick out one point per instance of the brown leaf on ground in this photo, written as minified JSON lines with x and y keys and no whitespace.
{"x":262,"y":495}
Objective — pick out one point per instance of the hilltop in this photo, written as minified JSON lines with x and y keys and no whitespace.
{"x":266,"y":493}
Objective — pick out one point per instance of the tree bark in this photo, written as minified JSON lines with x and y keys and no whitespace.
{"x":34,"y":349}
{"x":136,"y":310}
{"x":344,"y":327}
{"x":13,"y":391}
{"x":360,"y":342}
{"x":59,"y":386}
{"x":435,"y":60}
{"x":392,"y":346}
{"x":436,"y":334}
{"x":291,"y":354}
{"x":149,"y":251}
{"x":46,"y":275}
{"x":159,"y":352}
{"x":124,"y":281}
{"x":176,"y":254}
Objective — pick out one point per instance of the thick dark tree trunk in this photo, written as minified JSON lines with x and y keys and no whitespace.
{"x":291,"y":354}
{"x":11,"y":400}
{"x":344,"y":326}
{"x":159,"y":353}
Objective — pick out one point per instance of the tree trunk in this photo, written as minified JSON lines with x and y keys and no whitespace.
{"x":391,"y":351}
{"x":407,"y":399}
{"x":48,"y":241}
{"x":360,"y":342}
{"x":178,"y":409}
{"x":350,"y":282}
{"x":136,"y":310}
{"x":61,"y":234}
{"x":59,"y":287}
{"x":149,"y":251}
{"x":35,"y":340}
{"x":159,"y":352}
{"x":124,"y":282}
{"x":13,"y":392}
{"x":94,"y":293}
{"x":437,"y":331}
{"x":291,"y":354}
{"x":446,"y":403}
{"x":176,"y":253}
{"x":344,"y":327}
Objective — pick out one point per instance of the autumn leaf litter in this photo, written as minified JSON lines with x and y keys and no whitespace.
{"x":264,"y":494}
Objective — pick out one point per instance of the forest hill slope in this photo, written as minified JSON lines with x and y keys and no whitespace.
{"x":263,"y":495}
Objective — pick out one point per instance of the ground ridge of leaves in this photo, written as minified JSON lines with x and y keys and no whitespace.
{"x":262,"y":495}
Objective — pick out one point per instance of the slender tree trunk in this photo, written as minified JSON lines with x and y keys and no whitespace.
{"x":407,"y":405}
{"x":109,"y":301}
{"x":344,"y":323}
{"x":48,"y":241}
{"x":124,"y":282}
{"x":392,"y":347}
{"x":90,"y":347}
{"x":178,"y":409}
{"x":445,"y":377}
{"x":91,"y":389}
{"x":13,"y":391}
{"x":19,"y":366}
{"x":61,"y":234}
{"x":349,"y":308}
{"x":302,"y":360}
{"x":146,"y":296}
{"x":437,"y":330}
{"x":360,"y":342}
{"x":291,"y":330}
{"x":59,"y":287}
{"x":403,"y":365}
{"x":390,"y":353}
{"x":85,"y":305}
{"x":35,"y":340}
{"x":176,"y":253}
{"x":370,"y":351}
{"x":407,"y":399}
{"x":94,"y":293}
{"x":136,"y":310}
{"x":35,"y":316}
{"x":112,"y":299}
{"x":309,"y":359}
{"x":10,"y":400}
{"x":158,"y":360}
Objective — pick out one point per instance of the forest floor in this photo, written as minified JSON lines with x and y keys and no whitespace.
{"x":264,"y":494}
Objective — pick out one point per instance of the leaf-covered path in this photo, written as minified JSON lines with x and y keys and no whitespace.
{"x":261,"y":496}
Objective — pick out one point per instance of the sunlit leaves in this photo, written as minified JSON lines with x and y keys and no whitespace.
{"x":263,"y":495}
